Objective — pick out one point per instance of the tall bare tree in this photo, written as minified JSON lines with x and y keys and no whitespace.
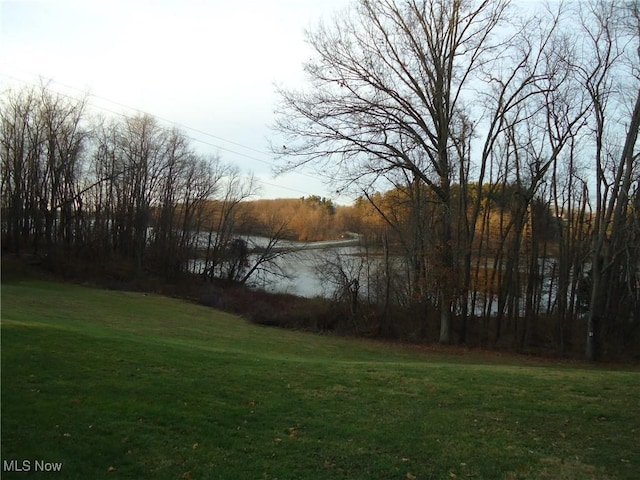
{"x":608,"y":71}
{"x":388,"y":84}
{"x":41,"y":145}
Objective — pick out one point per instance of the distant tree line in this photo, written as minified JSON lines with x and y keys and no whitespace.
{"x":506,"y":143}
{"x":309,"y":219}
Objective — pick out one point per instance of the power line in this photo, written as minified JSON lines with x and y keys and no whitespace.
{"x":165,"y":120}
{"x":162,"y":119}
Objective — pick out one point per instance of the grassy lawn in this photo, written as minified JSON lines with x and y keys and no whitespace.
{"x":123,"y":385}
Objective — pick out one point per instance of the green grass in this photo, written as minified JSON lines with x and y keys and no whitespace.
{"x":122,"y":385}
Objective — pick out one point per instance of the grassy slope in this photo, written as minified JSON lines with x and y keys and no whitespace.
{"x":122,"y":385}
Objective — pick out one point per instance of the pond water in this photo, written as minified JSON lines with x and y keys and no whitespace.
{"x":310,"y":271}
{"x":300,"y":270}
{"x":307,"y":277}
{"x":303,"y":272}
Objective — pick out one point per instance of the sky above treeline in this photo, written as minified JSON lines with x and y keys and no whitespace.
{"x":207,"y":66}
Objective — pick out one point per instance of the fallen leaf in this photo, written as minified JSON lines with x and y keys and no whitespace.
{"x":111,"y":469}
{"x":194,"y":446}
{"x":411,"y":476}
{"x":277,"y":439}
{"x":453,"y":475}
{"x":187,"y":476}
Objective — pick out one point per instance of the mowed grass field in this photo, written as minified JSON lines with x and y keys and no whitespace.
{"x":125,"y":385}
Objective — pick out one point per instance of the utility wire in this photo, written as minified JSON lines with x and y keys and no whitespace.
{"x":165,"y":120}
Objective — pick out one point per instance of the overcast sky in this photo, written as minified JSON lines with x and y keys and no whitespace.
{"x":207,"y":65}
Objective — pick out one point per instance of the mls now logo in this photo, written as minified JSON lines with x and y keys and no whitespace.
{"x":28,"y":466}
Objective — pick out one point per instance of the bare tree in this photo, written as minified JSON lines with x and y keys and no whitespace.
{"x":20,"y":149}
{"x":226,"y":253}
{"x":266,"y":256}
{"x":388,"y":83}
{"x":611,"y":31}
{"x":42,"y":141}
{"x":343,"y":276}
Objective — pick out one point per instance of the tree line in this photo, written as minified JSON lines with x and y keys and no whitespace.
{"x":124,"y":188}
{"x":507,"y":141}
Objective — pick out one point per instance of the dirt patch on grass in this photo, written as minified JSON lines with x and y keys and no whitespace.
{"x":561,"y":469}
